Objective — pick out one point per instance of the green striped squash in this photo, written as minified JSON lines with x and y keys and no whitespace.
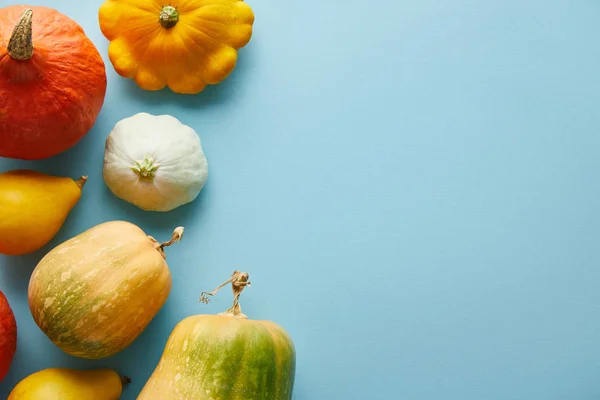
{"x":224,"y":358}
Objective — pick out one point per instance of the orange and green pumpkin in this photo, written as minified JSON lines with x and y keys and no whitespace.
{"x":94,"y":294}
{"x":225,"y":357}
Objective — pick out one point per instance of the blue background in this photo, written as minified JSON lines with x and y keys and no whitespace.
{"x":412,"y":186}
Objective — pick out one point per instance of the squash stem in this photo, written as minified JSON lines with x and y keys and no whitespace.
{"x":168,"y":17}
{"x":20,"y":45}
{"x":145,"y":169}
{"x":125,"y":380}
{"x":176,"y":237}
{"x":239,"y":281}
{"x":81,"y":181}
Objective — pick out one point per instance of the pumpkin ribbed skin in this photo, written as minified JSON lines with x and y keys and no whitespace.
{"x":95,"y":293}
{"x":50,"y":101}
{"x":8,"y":336}
{"x":224,"y":358}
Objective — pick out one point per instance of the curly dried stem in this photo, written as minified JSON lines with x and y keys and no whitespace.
{"x":239,"y":281}
{"x":20,"y":45}
{"x":176,"y":237}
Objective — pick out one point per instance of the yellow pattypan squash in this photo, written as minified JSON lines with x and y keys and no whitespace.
{"x":185,"y":45}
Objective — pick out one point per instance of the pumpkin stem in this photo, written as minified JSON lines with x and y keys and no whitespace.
{"x":239,"y":281}
{"x":20,"y":45}
{"x":81,"y":181}
{"x":168,"y":17}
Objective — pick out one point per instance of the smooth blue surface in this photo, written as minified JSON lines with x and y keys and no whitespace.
{"x":412,"y":185}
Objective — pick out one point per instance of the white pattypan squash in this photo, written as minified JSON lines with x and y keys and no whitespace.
{"x":154,"y":162}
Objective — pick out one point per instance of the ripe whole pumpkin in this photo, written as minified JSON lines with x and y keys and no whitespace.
{"x":8,"y":336}
{"x":52,"y":82}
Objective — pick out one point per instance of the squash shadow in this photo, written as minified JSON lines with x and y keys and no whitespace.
{"x":22,"y":364}
{"x":154,"y":220}
{"x":148,"y":346}
{"x":300,"y":392}
{"x":68,"y":163}
{"x":212,"y":95}
{"x":17,"y":270}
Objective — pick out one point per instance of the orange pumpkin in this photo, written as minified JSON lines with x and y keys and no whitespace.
{"x":52,"y":82}
{"x":8,"y":336}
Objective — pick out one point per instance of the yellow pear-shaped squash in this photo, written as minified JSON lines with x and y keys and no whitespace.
{"x":95,"y":293}
{"x":183,"y":44}
{"x":70,"y":384}
{"x":33,"y":208}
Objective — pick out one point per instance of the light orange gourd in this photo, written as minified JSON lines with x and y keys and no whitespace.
{"x":33,"y":208}
{"x":182,"y":44}
{"x":94,"y":294}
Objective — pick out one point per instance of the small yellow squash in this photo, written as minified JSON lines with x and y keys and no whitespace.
{"x":33,"y":208}
{"x":70,"y":384}
{"x":183,"y":44}
{"x":94,"y":294}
